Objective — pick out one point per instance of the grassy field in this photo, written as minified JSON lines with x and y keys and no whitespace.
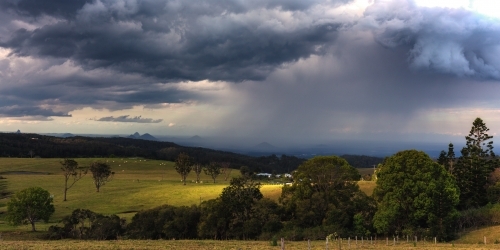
{"x":137,"y":184}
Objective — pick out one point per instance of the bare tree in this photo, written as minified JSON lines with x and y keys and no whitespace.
{"x":71,"y":171}
{"x":226,"y":170}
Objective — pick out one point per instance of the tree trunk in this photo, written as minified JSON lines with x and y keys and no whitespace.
{"x":33,"y":226}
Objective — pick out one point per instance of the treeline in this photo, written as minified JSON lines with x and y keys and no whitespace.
{"x":34,"y":145}
{"x":362,"y":161}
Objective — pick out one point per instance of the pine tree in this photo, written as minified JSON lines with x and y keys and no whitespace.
{"x":475,"y":165}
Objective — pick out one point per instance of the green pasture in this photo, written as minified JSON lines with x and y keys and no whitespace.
{"x":137,"y":184}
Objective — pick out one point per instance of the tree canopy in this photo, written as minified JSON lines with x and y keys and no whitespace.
{"x":183,"y":166}
{"x":325,"y":194}
{"x":475,"y":165}
{"x":415,"y":196}
{"x":101,"y":173}
{"x":29,"y":206}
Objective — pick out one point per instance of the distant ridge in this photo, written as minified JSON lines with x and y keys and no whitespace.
{"x":145,"y":136}
{"x":196,"y":138}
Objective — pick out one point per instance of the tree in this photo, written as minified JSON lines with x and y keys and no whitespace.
{"x":213,"y":169}
{"x":226,"y":170}
{"x":183,"y":166}
{"x":197,"y":170}
{"x":238,"y":200}
{"x":71,"y":171}
{"x":29,"y":206}
{"x":475,"y":165}
{"x":415,"y":195}
{"x":325,"y":195}
{"x":101,"y":173}
{"x":447,"y":159}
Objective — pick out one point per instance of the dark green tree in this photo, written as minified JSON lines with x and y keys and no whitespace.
{"x":415,"y":195}
{"x":238,"y":199}
{"x":447,"y":159}
{"x":325,"y":195}
{"x":213,"y":170}
{"x":101,"y":173}
{"x":71,"y":171}
{"x":475,"y":165}
{"x":29,"y":206}
{"x":183,"y":166}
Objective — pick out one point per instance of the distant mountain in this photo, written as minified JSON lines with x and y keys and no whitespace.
{"x":18,"y":131}
{"x":196,"y":138}
{"x":145,"y":136}
{"x":67,"y":135}
{"x":148,"y":137}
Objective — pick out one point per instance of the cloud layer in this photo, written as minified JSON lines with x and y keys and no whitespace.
{"x":261,"y":69}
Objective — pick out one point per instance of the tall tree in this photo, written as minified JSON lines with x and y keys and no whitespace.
{"x":415,"y":196}
{"x":29,"y":206}
{"x":101,"y":173}
{"x":447,"y":159}
{"x":197,"y":170}
{"x":475,"y":165}
{"x":183,"y":166}
{"x":71,"y":171}
{"x":226,"y":169}
{"x":213,"y":169}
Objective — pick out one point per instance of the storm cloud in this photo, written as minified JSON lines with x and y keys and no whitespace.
{"x":261,"y":69}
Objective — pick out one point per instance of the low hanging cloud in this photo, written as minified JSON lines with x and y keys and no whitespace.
{"x":127,"y":118}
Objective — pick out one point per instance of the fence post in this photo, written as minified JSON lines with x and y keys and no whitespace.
{"x":326,"y":243}
{"x":485,"y":240}
{"x":394,"y":240}
{"x":356,"y":240}
{"x":282,"y":243}
{"x":340,"y":243}
{"x":349,"y":242}
{"x":415,"y":239}
{"x":435,"y":240}
{"x":308,"y":244}
{"x":386,"y":241}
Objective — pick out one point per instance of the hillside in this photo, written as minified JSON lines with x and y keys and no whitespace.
{"x":35,"y":145}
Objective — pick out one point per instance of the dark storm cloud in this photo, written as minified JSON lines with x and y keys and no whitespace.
{"x":29,"y":111}
{"x":35,"y":8}
{"x":451,"y":41}
{"x":177,"y":40}
{"x":127,"y":118}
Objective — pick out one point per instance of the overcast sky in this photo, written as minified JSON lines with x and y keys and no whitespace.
{"x":281,"y":71}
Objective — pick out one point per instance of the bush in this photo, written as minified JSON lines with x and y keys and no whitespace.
{"x":85,"y":224}
{"x":165,"y":222}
